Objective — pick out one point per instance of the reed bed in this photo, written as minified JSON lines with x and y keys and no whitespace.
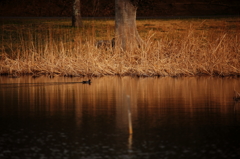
{"x":172,"y":48}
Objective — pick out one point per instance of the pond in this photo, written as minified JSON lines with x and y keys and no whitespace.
{"x":189,"y":117}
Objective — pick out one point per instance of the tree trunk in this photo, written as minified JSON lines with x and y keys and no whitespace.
{"x":126,"y":33}
{"x":76,"y":17}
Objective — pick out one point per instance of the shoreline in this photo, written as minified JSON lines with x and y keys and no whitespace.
{"x":134,"y":76}
{"x":172,"y":48}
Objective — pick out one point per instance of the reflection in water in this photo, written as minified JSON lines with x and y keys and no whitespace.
{"x":170,"y":117}
{"x":129,"y":115}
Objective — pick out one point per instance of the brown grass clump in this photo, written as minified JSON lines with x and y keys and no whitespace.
{"x":173,"y":48}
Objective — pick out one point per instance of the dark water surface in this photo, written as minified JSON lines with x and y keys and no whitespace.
{"x":171,"y":117}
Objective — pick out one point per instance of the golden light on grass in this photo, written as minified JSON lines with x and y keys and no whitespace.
{"x":173,"y":48}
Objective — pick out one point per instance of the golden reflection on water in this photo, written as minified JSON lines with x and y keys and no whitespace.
{"x":108,"y":95}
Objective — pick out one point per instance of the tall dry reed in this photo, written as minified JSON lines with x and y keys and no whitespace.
{"x":58,"y":51}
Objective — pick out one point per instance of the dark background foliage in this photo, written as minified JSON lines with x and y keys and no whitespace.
{"x":100,"y":8}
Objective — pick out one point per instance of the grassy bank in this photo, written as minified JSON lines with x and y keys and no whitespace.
{"x":184,"y":47}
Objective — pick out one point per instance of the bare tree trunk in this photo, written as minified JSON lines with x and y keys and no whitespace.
{"x":126,"y":33}
{"x":76,"y":17}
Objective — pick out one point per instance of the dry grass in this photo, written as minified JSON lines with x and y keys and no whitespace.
{"x":173,"y":48}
